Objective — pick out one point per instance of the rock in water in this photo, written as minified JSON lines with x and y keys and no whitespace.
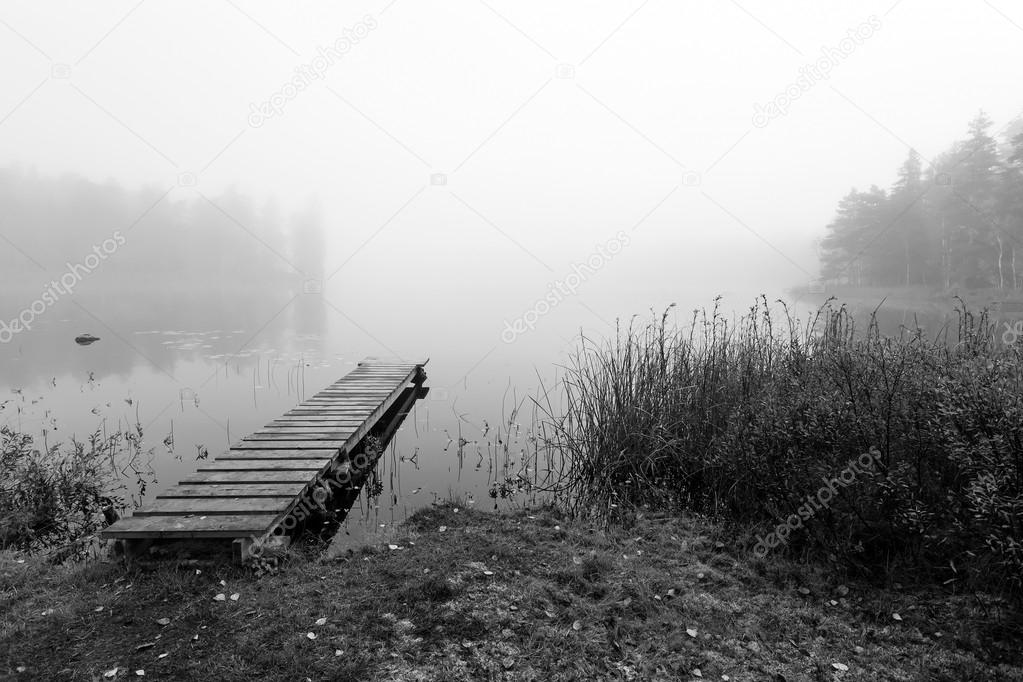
{"x":86,"y":339}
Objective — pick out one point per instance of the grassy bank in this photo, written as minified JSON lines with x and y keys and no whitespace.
{"x":519,"y":596}
{"x":748,"y":420}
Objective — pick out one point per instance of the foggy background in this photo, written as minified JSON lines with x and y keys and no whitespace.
{"x":429,"y":184}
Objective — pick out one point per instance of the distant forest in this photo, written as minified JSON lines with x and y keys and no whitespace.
{"x":176,"y":240}
{"x":958,"y":222}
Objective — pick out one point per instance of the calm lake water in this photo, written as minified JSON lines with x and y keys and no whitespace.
{"x":208,"y":370}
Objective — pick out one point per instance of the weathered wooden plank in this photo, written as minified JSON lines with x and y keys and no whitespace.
{"x":258,"y":451}
{"x":286,"y":444}
{"x":334,"y":414}
{"x":349,"y":398}
{"x":260,"y":454}
{"x":372,"y":379}
{"x":206,"y":478}
{"x":356,"y":378}
{"x":351,"y":407}
{"x":266,"y":465}
{"x":215,"y":490}
{"x":298,"y":434}
{"x":360,"y":417}
{"x":341,"y":432}
{"x":215,"y":526}
{"x":316,"y":420}
{"x":225,"y":506}
{"x":342,"y":400}
{"x":337,"y":404}
{"x":329,"y":402}
{"x":354,"y":409}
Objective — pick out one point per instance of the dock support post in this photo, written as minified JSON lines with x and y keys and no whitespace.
{"x":241,"y":549}
{"x":131,"y":549}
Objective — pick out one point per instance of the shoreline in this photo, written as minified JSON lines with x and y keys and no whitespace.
{"x":460,"y":594}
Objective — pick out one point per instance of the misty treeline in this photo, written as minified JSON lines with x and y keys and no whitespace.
{"x":154,"y":238}
{"x":956,"y":221}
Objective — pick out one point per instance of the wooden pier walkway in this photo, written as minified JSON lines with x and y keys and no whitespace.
{"x":248,"y":493}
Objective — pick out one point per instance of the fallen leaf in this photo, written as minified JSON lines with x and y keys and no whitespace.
{"x":235,"y":596}
{"x":310,"y":635}
{"x":577,"y":625}
{"x":896,"y":616}
{"x":840,"y":666}
{"x":163,"y":655}
{"x":140,"y":672}
{"x":443,"y":528}
{"x":488,"y":573}
{"x":223,"y":583}
{"x":220,"y":597}
{"x":321,"y":621}
{"x":692,"y":632}
{"x":338,"y":652}
{"x":393,"y":547}
{"x":576,"y":560}
{"x":508,"y":663}
{"x":146,"y":645}
{"x":110,"y":673}
{"x":97,"y":609}
{"x":804,"y":591}
{"x":163,"y":622}
{"x":697,"y":673}
{"x":195,"y":638}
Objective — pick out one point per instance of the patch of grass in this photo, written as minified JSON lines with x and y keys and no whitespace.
{"x":495,"y":596}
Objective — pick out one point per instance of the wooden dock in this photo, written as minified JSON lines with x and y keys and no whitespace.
{"x":266,"y":484}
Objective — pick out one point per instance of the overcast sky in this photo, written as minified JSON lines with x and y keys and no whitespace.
{"x":551,"y":124}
